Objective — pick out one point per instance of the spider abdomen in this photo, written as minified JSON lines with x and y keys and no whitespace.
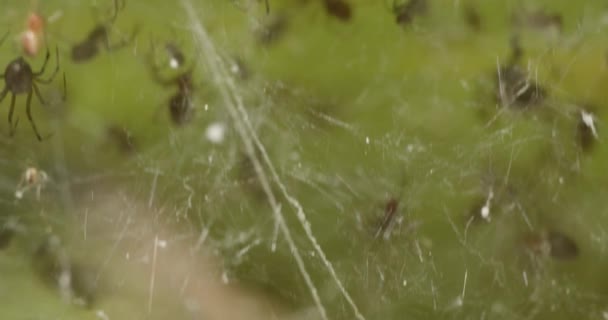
{"x":18,"y":76}
{"x":180,"y":107}
{"x":84,"y":51}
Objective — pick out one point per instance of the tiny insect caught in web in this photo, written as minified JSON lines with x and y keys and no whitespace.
{"x":388,"y":219}
{"x":32,"y":178}
{"x":586,"y":129}
{"x":33,"y":37}
{"x":551,"y":243}
{"x":99,"y":37}
{"x":121,"y":138}
{"x":482,"y":210}
{"x":514,"y":85}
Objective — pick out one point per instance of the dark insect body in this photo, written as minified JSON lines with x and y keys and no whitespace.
{"x":552,"y":243}
{"x":339,"y":9}
{"x":272,"y":31}
{"x":406,"y":12}
{"x":472,"y":17}
{"x":122,"y":138}
{"x":514,"y":85}
{"x":97,"y":38}
{"x":390,"y":210}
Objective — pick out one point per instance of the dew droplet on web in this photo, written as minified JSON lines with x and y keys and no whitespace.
{"x":215,"y":132}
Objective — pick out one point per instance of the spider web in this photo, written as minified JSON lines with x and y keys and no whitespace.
{"x":273,"y":201}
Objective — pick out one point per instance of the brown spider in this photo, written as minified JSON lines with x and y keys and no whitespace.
{"x":89,"y":47}
{"x":19,"y":78}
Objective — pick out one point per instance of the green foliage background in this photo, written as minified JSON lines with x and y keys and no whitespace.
{"x":351,"y":114}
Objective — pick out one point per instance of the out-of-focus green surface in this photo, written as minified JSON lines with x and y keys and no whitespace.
{"x":351,"y":114}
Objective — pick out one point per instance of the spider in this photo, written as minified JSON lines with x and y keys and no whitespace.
{"x":19,"y":78}
{"x":32,"y":177}
{"x":180,"y":104}
{"x":89,"y":47}
{"x":514,"y":86}
{"x":552,"y":243}
{"x":176,"y":56}
{"x":472,"y":17}
{"x":32,"y":37}
{"x":273,"y":30}
{"x":406,"y":12}
{"x":390,"y":210}
{"x":338,"y":8}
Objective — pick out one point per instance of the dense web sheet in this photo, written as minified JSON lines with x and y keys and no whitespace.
{"x":330,"y":169}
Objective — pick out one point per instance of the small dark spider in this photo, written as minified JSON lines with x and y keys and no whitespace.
{"x":472,"y":17}
{"x":406,"y":12}
{"x":338,"y":8}
{"x":552,"y":243}
{"x":514,"y":86}
{"x":99,"y":36}
{"x":122,"y":138}
{"x":19,"y":78}
{"x":390,"y":210}
{"x":273,"y":30}
{"x":180,"y":104}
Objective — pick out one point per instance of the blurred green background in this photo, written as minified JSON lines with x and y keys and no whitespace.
{"x":356,"y":113}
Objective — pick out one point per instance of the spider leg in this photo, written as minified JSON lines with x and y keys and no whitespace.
{"x":54,"y":71}
{"x":35,"y":89}
{"x":65,"y":89}
{"x":12,"y":128}
{"x":122,"y":43}
{"x":117,"y":8}
{"x":46,"y":60}
{"x":3,"y":93}
{"x":28,"y":111}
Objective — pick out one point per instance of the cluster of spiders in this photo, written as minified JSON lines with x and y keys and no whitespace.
{"x":21,"y":79}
